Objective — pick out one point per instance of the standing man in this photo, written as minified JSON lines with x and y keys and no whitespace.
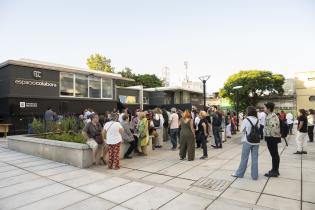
{"x":174,"y":125}
{"x":262,"y":120}
{"x":196,"y":124}
{"x":310,"y":125}
{"x":290,"y":121}
{"x":48,"y":119}
{"x":216,"y":127}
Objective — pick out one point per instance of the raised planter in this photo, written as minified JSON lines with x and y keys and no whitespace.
{"x":75,"y":154}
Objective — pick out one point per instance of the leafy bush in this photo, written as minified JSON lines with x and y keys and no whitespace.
{"x":68,"y":124}
{"x":68,"y":137}
{"x":38,"y":126}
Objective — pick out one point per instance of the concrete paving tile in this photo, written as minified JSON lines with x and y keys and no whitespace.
{"x":175,"y":170}
{"x":120,"y":208}
{"x":180,"y":183}
{"x":58,"y":201}
{"x":94,"y":203}
{"x":278,"y":203}
{"x":31,"y":196}
{"x":211,"y":193}
{"x":17,"y":179}
{"x":137,"y":174}
{"x":214,"y":163}
{"x":222,"y":175}
{"x":23,"y":187}
{"x":45,"y":166}
{"x":157,"y":166}
{"x":24,"y":160}
{"x":137,"y":163}
{"x":187,"y":202}
{"x":58,"y":170}
{"x":152,"y":199}
{"x":308,"y":174}
{"x":292,"y":189}
{"x":247,"y":183}
{"x":290,"y":172}
{"x":7,"y":168}
{"x":33,"y":163}
{"x":125,"y":192}
{"x":157,"y":178}
{"x":103,"y":185}
{"x":308,"y":192}
{"x":197,"y":172}
{"x":308,"y":206}
{"x":224,"y":205}
{"x":3,"y":164}
{"x":72,"y":175}
{"x":12,"y":173}
{"x":84,"y":180}
{"x":240,"y":195}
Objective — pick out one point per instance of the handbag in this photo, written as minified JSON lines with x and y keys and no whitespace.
{"x":99,"y":139}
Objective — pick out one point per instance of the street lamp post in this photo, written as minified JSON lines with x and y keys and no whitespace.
{"x":204,"y":80}
{"x":237,"y":105}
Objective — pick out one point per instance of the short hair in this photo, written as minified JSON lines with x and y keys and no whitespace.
{"x":251,"y":111}
{"x":92,"y":116}
{"x":113,"y":116}
{"x":173,"y":110}
{"x":141,"y":115}
{"x":303,"y":112}
{"x":187,"y":114}
{"x":215,"y":106}
{"x":125,"y":117}
{"x":270,"y":106}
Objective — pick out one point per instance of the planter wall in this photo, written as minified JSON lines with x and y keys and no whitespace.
{"x":75,"y":154}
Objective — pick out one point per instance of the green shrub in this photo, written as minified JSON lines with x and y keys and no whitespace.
{"x":67,"y":137}
{"x":38,"y":126}
{"x":68,"y":124}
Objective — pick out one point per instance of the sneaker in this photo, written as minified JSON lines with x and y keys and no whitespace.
{"x":297,"y":153}
{"x":214,"y":146}
{"x":234,"y":175}
{"x":203,"y":157}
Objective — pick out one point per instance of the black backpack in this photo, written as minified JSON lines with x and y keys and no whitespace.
{"x":254,"y":134}
{"x":284,"y":128}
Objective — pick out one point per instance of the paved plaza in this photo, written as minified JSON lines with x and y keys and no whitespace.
{"x":159,"y":181}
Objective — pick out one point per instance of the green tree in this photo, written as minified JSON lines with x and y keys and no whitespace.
{"x":256,"y":84}
{"x":148,"y":80}
{"x":99,"y":62}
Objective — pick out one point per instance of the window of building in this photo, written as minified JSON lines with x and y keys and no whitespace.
{"x":146,"y":100}
{"x":186,"y":97}
{"x":95,"y":87}
{"x":81,"y":85}
{"x":128,"y":99}
{"x":66,"y":84}
{"x":107,"y":86}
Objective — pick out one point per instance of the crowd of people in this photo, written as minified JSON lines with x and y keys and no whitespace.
{"x":187,"y":130}
{"x":190,"y":129}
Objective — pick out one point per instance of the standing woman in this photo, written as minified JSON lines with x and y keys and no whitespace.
{"x":187,"y":137}
{"x":310,"y":125}
{"x":273,"y":138}
{"x":203,"y":133}
{"x":228,"y":122}
{"x":301,"y":135}
{"x":113,"y":130}
{"x":248,"y":145}
{"x":143,"y":133}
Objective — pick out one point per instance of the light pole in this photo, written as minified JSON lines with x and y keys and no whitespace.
{"x":237,"y":104}
{"x":204,"y":80}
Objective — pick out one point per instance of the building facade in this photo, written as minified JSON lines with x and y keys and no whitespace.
{"x":305,"y":90}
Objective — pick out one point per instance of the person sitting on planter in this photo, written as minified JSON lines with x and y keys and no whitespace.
{"x":92,"y":132}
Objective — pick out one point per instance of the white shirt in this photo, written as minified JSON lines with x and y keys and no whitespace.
{"x":310,"y":120}
{"x":246,"y":127}
{"x":113,"y":135}
{"x":161,"y":118}
{"x":174,"y":121}
{"x":120,"y":119}
{"x":289,"y":118}
{"x":262,"y":118}
{"x":197,"y":120}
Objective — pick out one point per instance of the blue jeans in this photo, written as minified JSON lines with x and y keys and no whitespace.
{"x":253,"y":149}
{"x":174,"y":134}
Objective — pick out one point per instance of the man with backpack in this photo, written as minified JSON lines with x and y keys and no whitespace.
{"x":216,"y":127}
{"x":250,"y":139}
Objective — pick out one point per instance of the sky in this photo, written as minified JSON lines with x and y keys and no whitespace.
{"x":216,"y":37}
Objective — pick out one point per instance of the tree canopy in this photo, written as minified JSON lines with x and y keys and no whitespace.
{"x":99,"y":62}
{"x":256,"y":84}
{"x":146,"y":80}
